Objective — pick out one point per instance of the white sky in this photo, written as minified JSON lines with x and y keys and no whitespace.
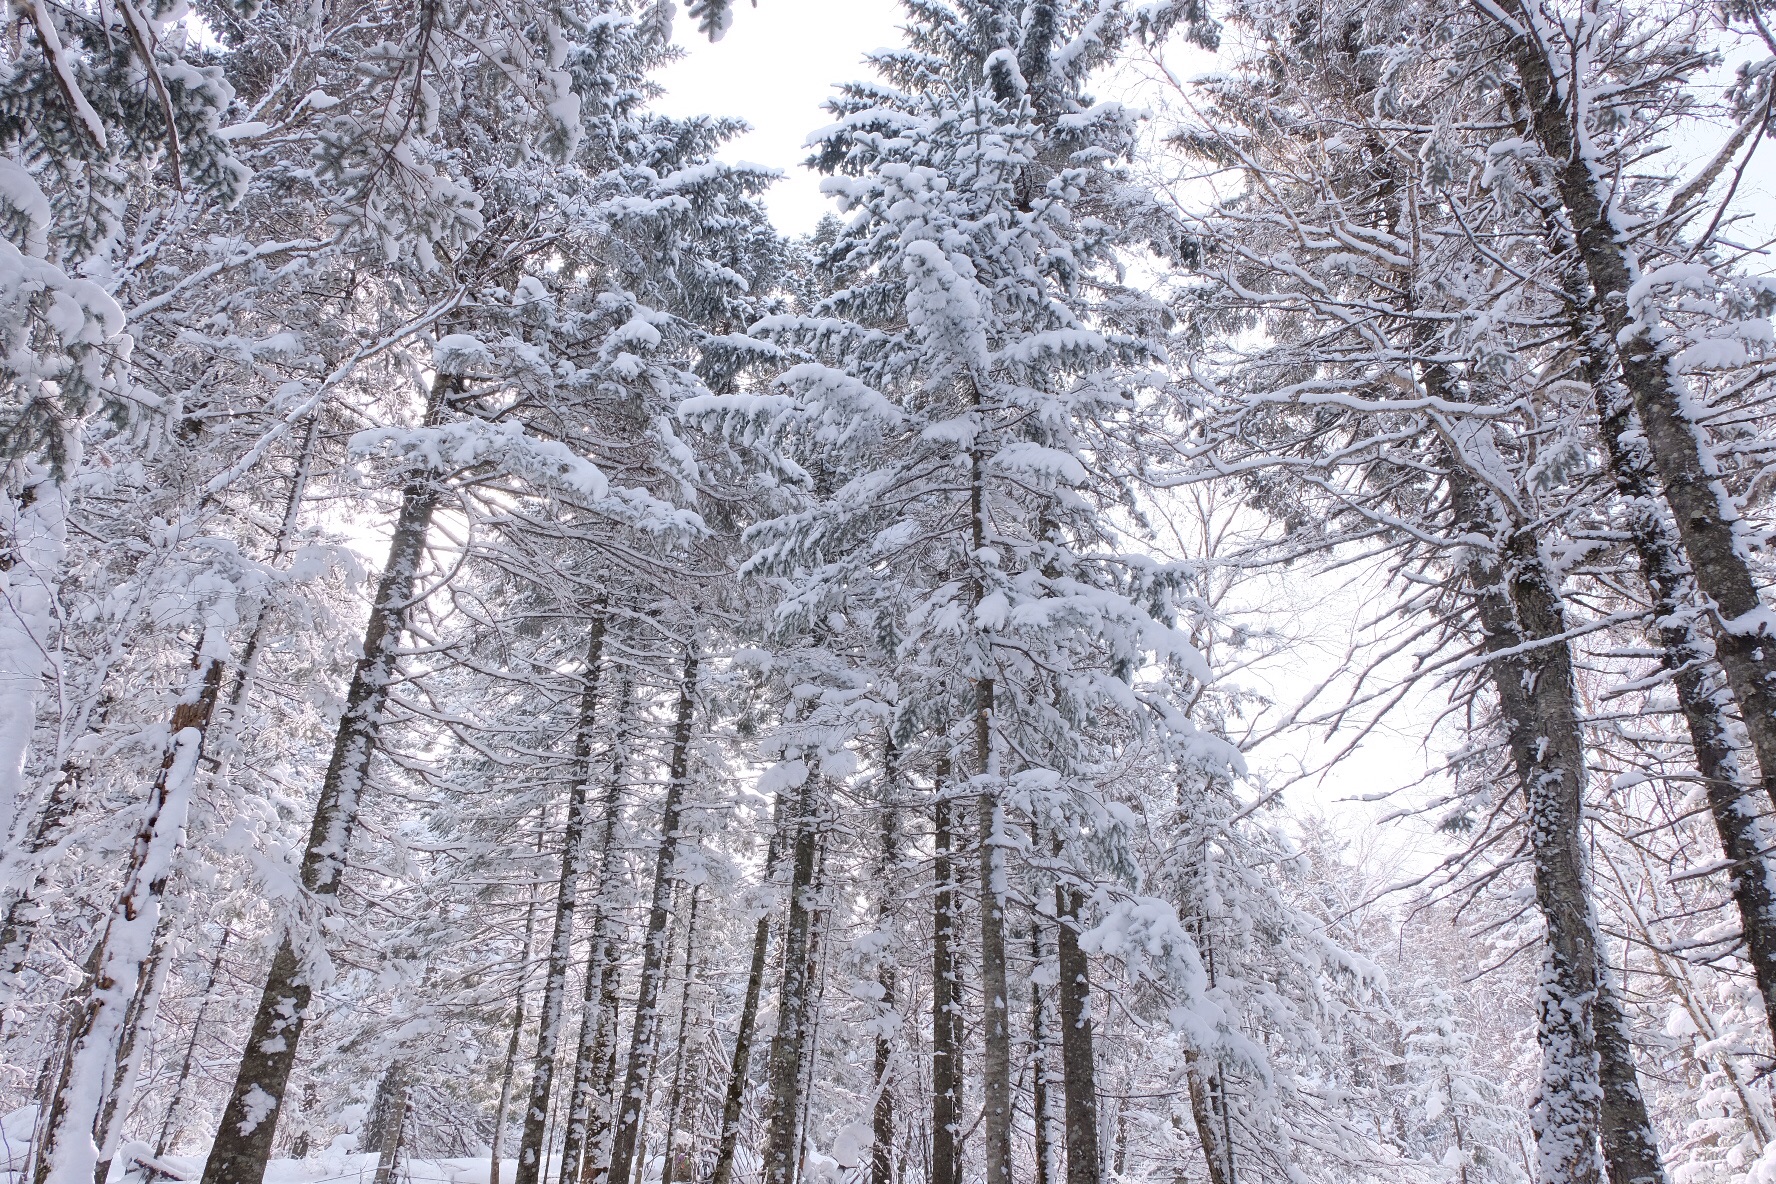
{"x":776,"y":65}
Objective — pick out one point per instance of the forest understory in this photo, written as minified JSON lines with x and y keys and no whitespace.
{"x":1217,"y":635}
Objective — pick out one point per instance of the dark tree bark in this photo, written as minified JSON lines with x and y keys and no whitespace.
{"x":601,"y":954}
{"x":1744,"y":836}
{"x":1208,"y":1109}
{"x":1039,"y":1115}
{"x":633,"y":1100}
{"x":1676,"y":445}
{"x":808,"y":1038}
{"x":249,"y":1121}
{"x":602,"y":963}
{"x":995,"y":1004}
{"x":1078,"y":1063}
{"x":1207,"y":1085}
{"x":946,"y":998}
{"x":1630,"y":1145}
{"x":1588,"y":1090}
{"x":882,"y":1146}
{"x":531,"y":1147}
{"x":671,"y":1169}
{"x":995,"y":1118}
{"x":392,"y":1102}
{"x":734,"y":1099}
{"x":497,"y":1146}
{"x":783,"y":1068}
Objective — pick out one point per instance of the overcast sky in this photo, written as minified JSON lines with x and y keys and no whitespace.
{"x":773,"y":69}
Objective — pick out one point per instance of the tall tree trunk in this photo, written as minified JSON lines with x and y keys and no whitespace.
{"x":808,"y":1038}
{"x":1078,"y":1064}
{"x":249,"y":1121}
{"x":138,"y":1029}
{"x":653,"y":1062}
{"x":69,"y":1154}
{"x":531,"y":1148}
{"x":1119,"y":1159}
{"x":1745,"y":838}
{"x":1705,"y":518}
{"x":1206,"y":1083}
{"x":1630,"y":1145}
{"x":1039,"y":1114}
{"x":579,"y":1097}
{"x":392,"y":1101}
{"x":733,"y":1101}
{"x":503,"y":1110}
{"x":169,"y":1125}
{"x":675,"y":1094}
{"x":1208,"y":1109}
{"x":601,"y":952}
{"x":1517,"y":604}
{"x":995,"y":1003}
{"x":605,"y":963}
{"x":887,"y":877}
{"x":995,"y":1006}
{"x":653,"y":966}
{"x":514,"y":1039}
{"x":946,"y":996}
{"x":783,"y":1069}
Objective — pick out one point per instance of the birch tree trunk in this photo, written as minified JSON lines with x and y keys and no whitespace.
{"x":249,"y":1121}
{"x":567,"y":893}
{"x":946,"y":997}
{"x":1677,"y":446}
{"x":633,"y":1100}
{"x":783,"y":1069}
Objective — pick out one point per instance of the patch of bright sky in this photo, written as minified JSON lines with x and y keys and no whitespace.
{"x":776,"y":65}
